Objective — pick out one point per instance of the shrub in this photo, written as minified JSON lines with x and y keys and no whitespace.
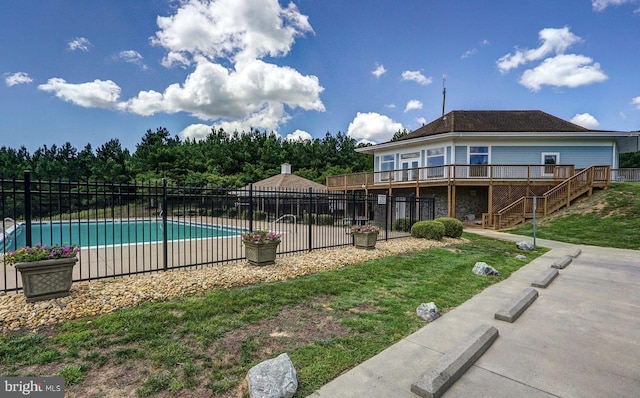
{"x":402,"y":224}
{"x":305,"y":218}
{"x":324,"y":219}
{"x":433,"y":230}
{"x":452,"y":226}
{"x":257,"y":215}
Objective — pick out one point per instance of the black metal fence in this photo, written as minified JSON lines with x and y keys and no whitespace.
{"x":128,"y":229}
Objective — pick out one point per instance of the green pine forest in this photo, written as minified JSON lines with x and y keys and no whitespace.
{"x":221,"y":160}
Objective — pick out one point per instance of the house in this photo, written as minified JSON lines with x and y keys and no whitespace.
{"x":287,"y":181}
{"x":479,"y":163}
{"x":279,"y":196}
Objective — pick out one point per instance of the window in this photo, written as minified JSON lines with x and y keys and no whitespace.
{"x":435,"y":158}
{"x":478,"y":159}
{"x":550,"y":159}
{"x":387,"y":164}
{"x":478,"y":155}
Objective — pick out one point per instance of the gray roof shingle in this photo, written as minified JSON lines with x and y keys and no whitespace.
{"x":494,"y":121}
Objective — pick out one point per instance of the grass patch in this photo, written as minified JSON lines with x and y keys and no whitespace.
{"x":611,"y":221}
{"x":327,"y":323}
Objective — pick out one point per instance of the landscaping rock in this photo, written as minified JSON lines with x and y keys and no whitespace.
{"x":273,"y":378}
{"x":484,"y":269}
{"x":524,"y":245}
{"x":428,"y":311}
{"x":521,"y":257}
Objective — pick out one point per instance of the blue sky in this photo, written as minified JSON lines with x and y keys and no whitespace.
{"x":88,"y":71}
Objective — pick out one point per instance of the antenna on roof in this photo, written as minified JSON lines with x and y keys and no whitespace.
{"x":444,"y":92}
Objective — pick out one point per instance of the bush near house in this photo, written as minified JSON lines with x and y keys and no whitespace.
{"x":433,"y":230}
{"x":452,"y":226}
{"x":402,"y":224}
{"x":318,"y":219}
{"x":258,"y":215}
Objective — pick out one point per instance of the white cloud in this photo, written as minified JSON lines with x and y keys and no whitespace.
{"x":230,"y":29}
{"x":469,"y":53}
{"x":299,"y":135}
{"x":255,"y":88}
{"x":372,"y":127}
{"x":412,"y":105}
{"x":196,"y":131}
{"x":390,"y":106}
{"x":636,"y":101}
{"x":79,"y":43}
{"x":568,"y":70}
{"x":585,"y":120}
{"x":17,"y":78}
{"x":485,"y":42}
{"x":241,"y":91}
{"x":422,"y":121}
{"x":553,"y":41}
{"x":133,"y":57}
{"x":416,"y":76}
{"x":95,"y":94}
{"x":379,"y":71}
{"x":556,"y":68}
{"x":600,"y":5}
{"x":365,"y":142}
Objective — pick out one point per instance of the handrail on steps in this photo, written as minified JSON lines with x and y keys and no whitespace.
{"x":584,"y":178}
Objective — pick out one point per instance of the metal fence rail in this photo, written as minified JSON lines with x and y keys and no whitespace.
{"x":129,"y":229}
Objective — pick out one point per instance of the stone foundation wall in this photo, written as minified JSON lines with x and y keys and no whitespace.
{"x":471,"y":200}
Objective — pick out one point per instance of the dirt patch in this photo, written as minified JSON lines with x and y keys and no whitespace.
{"x":291,"y":328}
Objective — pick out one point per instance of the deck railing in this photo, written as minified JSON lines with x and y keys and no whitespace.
{"x":450,"y":173}
{"x":552,"y":200}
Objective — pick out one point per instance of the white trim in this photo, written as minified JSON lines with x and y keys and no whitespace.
{"x":543,"y":155}
{"x":479,"y":145}
{"x":556,"y":154}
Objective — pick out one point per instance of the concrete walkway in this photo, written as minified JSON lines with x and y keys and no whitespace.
{"x":580,"y":338}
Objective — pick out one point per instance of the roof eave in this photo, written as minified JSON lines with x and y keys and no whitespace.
{"x":445,"y":136}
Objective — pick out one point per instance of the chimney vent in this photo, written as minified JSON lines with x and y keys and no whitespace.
{"x":285,"y":168}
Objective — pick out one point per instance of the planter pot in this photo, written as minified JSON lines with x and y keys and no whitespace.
{"x":46,"y":279}
{"x":261,"y":254}
{"x":365,"y":240}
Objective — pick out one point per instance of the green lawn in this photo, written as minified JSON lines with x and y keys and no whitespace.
{"x":326,"y":322}
{"x":612,"y":222}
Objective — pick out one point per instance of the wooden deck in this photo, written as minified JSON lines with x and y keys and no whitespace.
{"x":482,"y":175}
{"x":509,"y":186}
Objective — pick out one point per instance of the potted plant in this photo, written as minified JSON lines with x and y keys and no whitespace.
{"x":46,"y":271}
{"x":261,"y":246}
{"x":365,"y":236}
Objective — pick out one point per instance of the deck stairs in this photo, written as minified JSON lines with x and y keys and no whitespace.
{"x":581,"y":183}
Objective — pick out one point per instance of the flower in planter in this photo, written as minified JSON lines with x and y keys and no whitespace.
{"x":40,"y":252}
{"x":365,"y":229}
{"x":260,"y":237}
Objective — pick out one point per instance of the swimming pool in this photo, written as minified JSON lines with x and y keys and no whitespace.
{"x":114,"y":232}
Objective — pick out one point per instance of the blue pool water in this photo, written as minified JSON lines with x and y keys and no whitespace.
{"x":100,"y":233}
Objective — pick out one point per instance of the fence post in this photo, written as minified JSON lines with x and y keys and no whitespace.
{"x":310,"y":219}
{"x":164,"y":225}
{"x":27,"y":206}
{"x":250,"y":210}
{"x":386,"y":216}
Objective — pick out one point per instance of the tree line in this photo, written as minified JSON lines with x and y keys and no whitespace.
{"x":221,"y":159}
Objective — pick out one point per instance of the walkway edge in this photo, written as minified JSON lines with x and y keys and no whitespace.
{"x":517,"y":306}
{"x":452,"y":365}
